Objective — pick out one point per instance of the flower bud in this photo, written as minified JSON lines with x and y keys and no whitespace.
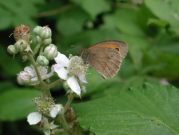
{"x":37,"y":30}
{"x":42,"y":60}
{"x":38,"y":39}
{"x":12,"y":49}
{"x":23,"y":78}
{"x":21,"y":45}
{"x":45,"y":32}
{"x":50,"y":52}
{"x":47,"y":41}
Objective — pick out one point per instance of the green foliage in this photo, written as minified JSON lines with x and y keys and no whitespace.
{"x":69,"y":19}
{"x":16,"y":103}
{"x":92,"y":6}
{"x":133,"y":102}
{"x":14,"y":65}
{"x":167,"y":10}
{"x":140,"y":109}
{"x":24,"y":11}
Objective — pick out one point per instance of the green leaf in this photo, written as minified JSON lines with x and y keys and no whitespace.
{"x":72,"y":21}
{"x":19,"y":10}
{"x":125,"y":20}
{"x":84,"y":39}
{"x":167,"y":10}
{"x":150,"y":109}
{"x":9,"y":65}
{"x":93,"y":7}
{"x":5,"y":85}
{"x":166,"y":64}
{"x":16,"y":104}
{"x":5,"y":21}
{"x":136,"y":46}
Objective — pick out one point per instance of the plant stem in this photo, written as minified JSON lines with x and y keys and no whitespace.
{"x":31,"y":58}
{"x":54,"y":84}
{"x":65,"y":124}
{"x":54,"y":11}
{"x":37,"y":49}
{"x":41,"y":50}
{"x":70,"y":99}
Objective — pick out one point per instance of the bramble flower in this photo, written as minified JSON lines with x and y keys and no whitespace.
{"x":38,"y":48}
{"x":29,"y":77}
{"x":72,"y":70}
{"x":34,"y":118}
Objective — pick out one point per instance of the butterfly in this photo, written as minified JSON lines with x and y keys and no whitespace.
{"x":106,"y":57}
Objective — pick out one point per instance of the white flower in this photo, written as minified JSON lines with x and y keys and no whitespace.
{"x":55,"y":109}
{"x":34,"y":118}
{"x":72,"y":70}
{"x":29,"y":77}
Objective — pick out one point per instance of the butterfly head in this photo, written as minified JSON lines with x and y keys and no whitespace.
{"x":85,"y":55}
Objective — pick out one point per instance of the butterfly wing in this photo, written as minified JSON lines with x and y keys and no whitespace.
{"x":106,"y":57}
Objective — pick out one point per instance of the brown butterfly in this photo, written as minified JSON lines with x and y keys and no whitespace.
{"x":106,"y":57}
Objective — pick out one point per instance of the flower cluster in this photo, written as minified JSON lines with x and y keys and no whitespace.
{"x":71,"y":71}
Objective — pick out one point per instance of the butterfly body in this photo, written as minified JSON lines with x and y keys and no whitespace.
{"x":106,"y":57}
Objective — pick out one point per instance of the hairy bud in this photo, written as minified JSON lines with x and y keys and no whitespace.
{"x":50,"y":52}
{"x":42,"y":60}
{"x":12,"y":50}
{"x":21,"y":45}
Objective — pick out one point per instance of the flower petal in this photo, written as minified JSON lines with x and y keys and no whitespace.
{"x":62,"y":60}
{"x":73,"y":84}
{"x":34,"y":118}
{"x":61,"y":71}
{"x":82,"y":77}
{"x":55,"y":109}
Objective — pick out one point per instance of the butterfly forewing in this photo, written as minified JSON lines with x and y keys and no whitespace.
{"x":106,"y":57}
